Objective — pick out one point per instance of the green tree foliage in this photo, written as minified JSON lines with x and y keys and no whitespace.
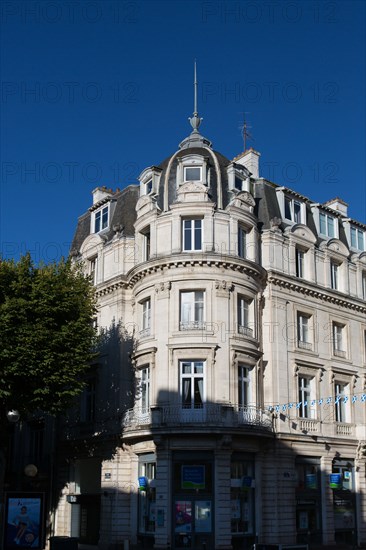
{"x":46,"y":334}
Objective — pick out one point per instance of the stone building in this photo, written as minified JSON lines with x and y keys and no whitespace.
{"x":227,"y":406}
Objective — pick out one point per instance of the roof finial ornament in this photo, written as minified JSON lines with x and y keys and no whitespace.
{"x":195,"y":120}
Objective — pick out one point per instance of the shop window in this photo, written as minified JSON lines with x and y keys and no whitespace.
{"x":308,"y":501}
{"x":242,"y":496}
{"x":147,"y":494}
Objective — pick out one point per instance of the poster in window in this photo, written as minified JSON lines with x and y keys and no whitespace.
{"x":23,"y":521}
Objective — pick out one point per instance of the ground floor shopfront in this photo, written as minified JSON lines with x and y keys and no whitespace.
{"x":216,"y":492}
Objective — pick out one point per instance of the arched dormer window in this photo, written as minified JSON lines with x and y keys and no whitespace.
{"x":192,"y":168}
{"x":149,"y":181}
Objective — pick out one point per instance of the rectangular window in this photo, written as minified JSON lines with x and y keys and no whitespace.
{"x":147,"y":498}
{"x":145,"y":390}
{"x":87,"y":402}
{"x":293,"y":210}
{"x":192,"y":310}
{"x":146,"y":244}
{"x":242,"y":242}
{"x":36,"y":442}
{"x":101,"y":219}
{"x":363,"y":282}
{"x":243,"y":316}
{"x":192,"y":173}
{"x":305,"y":396}
{"x":338,"y":340}
{"x":357,"y":238}
{"x":92,"y":268}
{"x":192,"y":384}
{"x":146,"y":317}
{"x":238,"y":183}
{"x":148,"y":187}
{"x":243,"y":386}
{"x":192,"y":235}
{"x":334,"y":275}
{"x":327,"y":225}
{"x":303,"y":334}
{"x":300,"y":259}
{"x":340,"y":406}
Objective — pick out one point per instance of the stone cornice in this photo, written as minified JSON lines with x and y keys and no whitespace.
{"x":200,"y":260}
{"x":314,"y":292}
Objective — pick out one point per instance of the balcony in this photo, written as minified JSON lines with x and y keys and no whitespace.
{"x":145,"y":332}
{"x":192,"y":325}
{"x":211,"y":415}
{"x":305,"y":345}
{"x":245,"y":331}
{"x":344,"y":429}
{"x":339,"y":353}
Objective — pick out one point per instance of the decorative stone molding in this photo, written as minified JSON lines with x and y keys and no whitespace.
{"x":223,"y":288}
{"x":192,"y":192}
{"x":243,"y":200}
{"x":162,"y":289}
{"x":295,"y":287}
{"x":275,"y":223}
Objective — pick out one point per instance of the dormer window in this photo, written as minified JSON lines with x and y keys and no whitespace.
{"x":101,"y":219}
{"x":357,"y":238}
{"x":193,"y":173}
{"x":293,"y":210}
{"x":327,"y":225}
{"x":148,"y":187}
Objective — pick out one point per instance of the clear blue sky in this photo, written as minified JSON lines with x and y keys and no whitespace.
{"x":95,"y":91}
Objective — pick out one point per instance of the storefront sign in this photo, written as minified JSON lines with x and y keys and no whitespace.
{"x":335,"y":481}
{"x":193,"y":477}
{"x":24,"y":521}
{"x":310,"y":481}
{"x":143,"y":483}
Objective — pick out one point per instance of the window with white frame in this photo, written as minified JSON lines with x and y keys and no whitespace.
{"x":363,"y":283}
{"x":357,"y":238}
{"x":192,"y":234}
{"x":101,"y":219}
{"x":303,"y":331}
{"x":334,"y":275}
{"x":145,"y":389}
{"x":341,"y":391}
{"x":192,"y":384}
{"x":338,"y":338}
{"x":294,"y":210}
{"x":327,"y":225}
{"x":300,"y":262}
{"x":244,"y":316}
{"x":306,"y":395}
{"x":148,"y":187}
{"x":243,"y":385}
{"x":146,"y":241}
{"x":192,"y":173}
{"x":242,"y":242}
{"x":192,"y":310}
{"x":146,"y":317}
{"x":92,"y":269}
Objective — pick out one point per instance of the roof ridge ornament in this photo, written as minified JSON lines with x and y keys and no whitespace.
{"x":195,"y":121}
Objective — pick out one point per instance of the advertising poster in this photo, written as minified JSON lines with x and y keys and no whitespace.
{"x":23,"y":521}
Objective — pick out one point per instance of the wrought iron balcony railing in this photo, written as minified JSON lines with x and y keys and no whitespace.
{"x":210,"y":414}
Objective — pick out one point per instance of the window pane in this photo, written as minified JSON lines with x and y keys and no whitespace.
{"x":360,"y":240}
{"x":197,"y":234}
{"x":353,"y":237}
{"x":187,"y":228}
{"x":186,"y":368}
{"x":192,"y":173}
{"x":330,"y":226}
{"x":105,"y":217}
{"x":297,"y":212}
{"x":323,"y":227}
{"x":97,"y":222}
{"x":288,"y":209}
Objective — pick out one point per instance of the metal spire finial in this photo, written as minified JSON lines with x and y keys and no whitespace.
{"x":195,"y":120}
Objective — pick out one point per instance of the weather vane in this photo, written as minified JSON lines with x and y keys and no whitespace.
{"x":244,"y":131}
